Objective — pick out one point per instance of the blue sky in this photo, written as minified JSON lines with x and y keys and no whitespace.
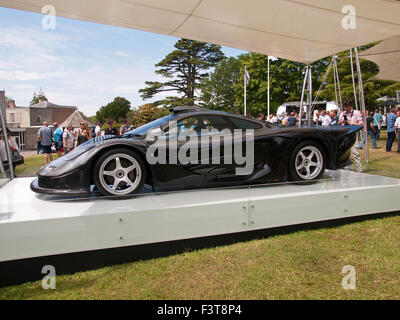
{"x":79,"y":63}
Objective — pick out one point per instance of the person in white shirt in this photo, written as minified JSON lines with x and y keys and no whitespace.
{"x":317,"y":118}
{"x":325,"y":119}
{"x":397,"y":129}
{"x":272,"y":118}
{"x":97,"y":130}
{"x":68,"y":139}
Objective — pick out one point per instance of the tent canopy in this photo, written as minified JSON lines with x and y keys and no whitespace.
{"x":299,"y":30}
{"x":388,"y":103}
{"x":387,"y":56}
{"x":75,"y":120}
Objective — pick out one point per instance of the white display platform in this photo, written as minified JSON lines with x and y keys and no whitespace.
{"x":34,"y":225}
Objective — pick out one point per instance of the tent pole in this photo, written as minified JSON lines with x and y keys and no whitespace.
{"x":334,"y":78}
{"x":10,"y":164}
{"x":302,"y":95}
{"x":268,"y":90}
{"x":338,"y":82}
{"x":245,"y":93}
{"x":309,"y":93}
{"x":3,"y":172}
{"x":362,"y":104}
{"x":353,"y":78}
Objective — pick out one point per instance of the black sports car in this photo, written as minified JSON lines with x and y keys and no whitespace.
{"x":204,"y":155}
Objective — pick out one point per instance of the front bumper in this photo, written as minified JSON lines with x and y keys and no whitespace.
{"x":36,"y":188}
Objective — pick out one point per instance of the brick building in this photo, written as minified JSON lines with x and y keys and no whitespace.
{"x":24,"y":122}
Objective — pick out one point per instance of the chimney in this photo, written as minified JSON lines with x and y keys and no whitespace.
{"x":11,"y":104}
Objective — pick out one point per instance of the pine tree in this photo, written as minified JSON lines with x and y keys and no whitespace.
{"x":184,"y":68}
{"x":38,"y":96}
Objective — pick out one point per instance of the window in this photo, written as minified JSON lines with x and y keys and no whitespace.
{"x":198,"y":123}
{"x":244,"y":124}
{"x":12,"y":117}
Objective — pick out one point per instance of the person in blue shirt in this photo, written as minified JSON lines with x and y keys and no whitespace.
{"x":334,"y":118}
{"x":390,"y":121}
{"x":292,"y":120}
{"x":377,"y":123}
{"x":58,"y":139}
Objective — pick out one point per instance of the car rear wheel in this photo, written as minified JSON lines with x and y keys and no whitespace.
{"x":307,"y":162}
{"x":119,"y":172}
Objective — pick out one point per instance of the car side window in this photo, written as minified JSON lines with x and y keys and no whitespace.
{"x":190,"y":123}
{"x":214,"y":123}
{"x":198,"y":123}
{"x":244,"y":124}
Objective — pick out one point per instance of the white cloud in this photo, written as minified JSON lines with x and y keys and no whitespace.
{"x":124,"y":54}
{"x":69,"y":71}
{"x":19,"y":75}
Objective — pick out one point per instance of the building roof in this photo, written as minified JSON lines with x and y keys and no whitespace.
{"x":48,"y":104}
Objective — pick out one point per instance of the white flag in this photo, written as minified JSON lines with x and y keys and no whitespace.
{"x":246,"y":77}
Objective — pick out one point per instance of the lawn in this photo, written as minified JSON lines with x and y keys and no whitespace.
{"x":306,"y":264}
{"x":31,"y":165}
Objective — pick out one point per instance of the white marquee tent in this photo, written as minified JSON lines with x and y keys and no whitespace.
{"x":299,"y":30}
{"x":387,"y":56}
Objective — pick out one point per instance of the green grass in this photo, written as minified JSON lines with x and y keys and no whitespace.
{"x":31,"y":165}
{"x":383,"y":163}
{"x":301,"y":265}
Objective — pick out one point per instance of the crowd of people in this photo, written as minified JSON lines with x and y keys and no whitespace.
{"x":350,"y":117}
{"x":374,"y":121}
{"x":59,"y":141}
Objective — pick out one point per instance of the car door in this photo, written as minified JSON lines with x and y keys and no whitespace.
{"x":250,"y":159}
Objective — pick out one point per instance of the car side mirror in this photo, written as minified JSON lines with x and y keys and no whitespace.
{"x":156,"y":132}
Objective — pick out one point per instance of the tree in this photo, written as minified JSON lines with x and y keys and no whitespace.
{"x":224,"y":89}
{"x":184,"y":68}
{"x":115,"y":110}
{"x":92,"y":119}
{"x":38,"y":96}
{"x":218,"y":90}
{"x":146,"y":114}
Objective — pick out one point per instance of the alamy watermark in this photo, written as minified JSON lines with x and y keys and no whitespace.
{"x":49,"y":20}
{"x":349,"y":20}
{"x":205,"y":146}
{"x":349,"y":280}
{"x":49,"y":280}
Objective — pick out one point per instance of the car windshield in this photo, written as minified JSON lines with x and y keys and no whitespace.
{"x":148,"y":126}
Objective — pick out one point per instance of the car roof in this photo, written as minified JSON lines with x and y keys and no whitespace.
{"x":195,"y":110}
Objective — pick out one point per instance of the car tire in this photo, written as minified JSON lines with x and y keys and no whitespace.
{"x":119,"y":172}
{"x":307,"y":162}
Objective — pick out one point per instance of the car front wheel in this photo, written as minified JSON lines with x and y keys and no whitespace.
{"x":119,"y":172}
{"x":307,"y":162}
